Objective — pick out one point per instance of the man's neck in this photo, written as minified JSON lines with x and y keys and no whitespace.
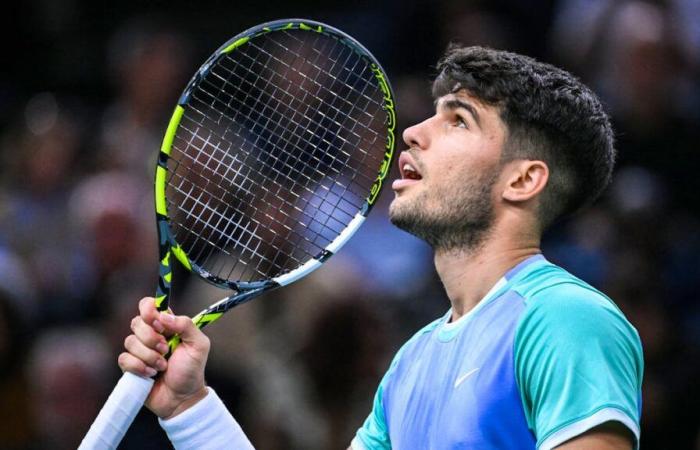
{"x":468,"y":275}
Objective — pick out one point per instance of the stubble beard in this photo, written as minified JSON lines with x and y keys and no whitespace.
{"x":459,"y":219}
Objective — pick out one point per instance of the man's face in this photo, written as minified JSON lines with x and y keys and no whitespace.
{"x":445,"y":195}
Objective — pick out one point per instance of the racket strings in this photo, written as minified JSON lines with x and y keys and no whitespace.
{"x":278,"y":172}
{"x":329,"y":91}
{"x":364,"y":154}
{"x":247,"y":116}
{"x":241,"y":239}
{"x":227,"y":219}
{"x":331,"y":105}
{"x":229,"y":235}
{"x":242,"y":184}
{"x":349,"y":209}
{"x":286,"y":143}
{"x":221,"y":216}
{"x":351,"y":71}
{"x":278,"y":253}
{"x":369,"y":179}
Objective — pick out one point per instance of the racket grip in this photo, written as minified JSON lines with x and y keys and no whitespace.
{"x":119,"y":411}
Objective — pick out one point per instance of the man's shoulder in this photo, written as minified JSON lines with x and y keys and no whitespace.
{"x":564,"y":303}
{"x":551,"y":286}
{"x":564,"y":307}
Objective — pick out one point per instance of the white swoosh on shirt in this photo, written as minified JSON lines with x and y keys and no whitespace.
{"x":461,"y":379}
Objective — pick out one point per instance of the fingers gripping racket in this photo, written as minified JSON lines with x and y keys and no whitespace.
{"x":274,"y":156}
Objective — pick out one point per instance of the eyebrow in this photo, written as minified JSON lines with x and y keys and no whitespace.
{"x":456,"y":103}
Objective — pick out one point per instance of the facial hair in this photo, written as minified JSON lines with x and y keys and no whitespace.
{"x":461,"y":219}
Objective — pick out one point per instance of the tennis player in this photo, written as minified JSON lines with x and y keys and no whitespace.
{"x":528,"y":356}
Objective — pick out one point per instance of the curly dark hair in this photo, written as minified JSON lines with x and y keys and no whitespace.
{"x":549,"y":116}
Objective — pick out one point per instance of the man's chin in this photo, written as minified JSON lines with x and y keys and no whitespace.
{"x":402,"y":214}
{"x":397,"y":208}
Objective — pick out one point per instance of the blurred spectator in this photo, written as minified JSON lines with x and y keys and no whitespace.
{"x":476,"y":26}
{"x":634,"y":54}
{"x":16,"y":285}
{"x":343,"y":356}
{"x":112,"y":212}
{"x":69,"y":370}
{"x":149,"y":65}
{"x":37,"y":178}
{"x":584,"y":246}
{"x":111,"y":222}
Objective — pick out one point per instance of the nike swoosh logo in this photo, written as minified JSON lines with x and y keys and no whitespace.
{"x":461,"y":379}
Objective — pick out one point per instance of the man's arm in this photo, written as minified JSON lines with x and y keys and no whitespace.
{"x":579,"y":367}
{"x":607,"y":436}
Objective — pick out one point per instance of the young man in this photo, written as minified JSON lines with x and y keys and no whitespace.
{"x":528,"y":356}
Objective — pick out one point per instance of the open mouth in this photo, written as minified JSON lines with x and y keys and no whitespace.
{"x":408,"y":167}
{"x":409,"y":172}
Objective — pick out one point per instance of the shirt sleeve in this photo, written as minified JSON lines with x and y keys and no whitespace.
{"x":207,"y":425}
{"x":373,"y":435}
{"x":578,"y":364}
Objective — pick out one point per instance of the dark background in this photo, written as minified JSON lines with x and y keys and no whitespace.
{"x":86,"y":90}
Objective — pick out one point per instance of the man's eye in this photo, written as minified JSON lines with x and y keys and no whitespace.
{"x":461,"y":123}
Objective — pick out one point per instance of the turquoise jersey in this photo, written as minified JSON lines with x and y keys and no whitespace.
{"x":541,"y":359}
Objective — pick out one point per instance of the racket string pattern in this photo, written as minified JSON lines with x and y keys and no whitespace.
{"x":298,"y":149}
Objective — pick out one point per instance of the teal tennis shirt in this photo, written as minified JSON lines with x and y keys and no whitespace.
{"x":541,"y":359}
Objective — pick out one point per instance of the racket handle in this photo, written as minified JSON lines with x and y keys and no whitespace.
{"x":119,"y":411}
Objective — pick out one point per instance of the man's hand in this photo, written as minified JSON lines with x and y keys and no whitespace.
{"x":182,"y":383}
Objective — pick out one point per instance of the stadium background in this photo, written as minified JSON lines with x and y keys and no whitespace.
{"x":85,"y":93}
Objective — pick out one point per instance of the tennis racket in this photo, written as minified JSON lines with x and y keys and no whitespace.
{"x":274,"y":156}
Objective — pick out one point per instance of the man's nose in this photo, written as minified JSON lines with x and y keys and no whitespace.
{"x":417,"y":135}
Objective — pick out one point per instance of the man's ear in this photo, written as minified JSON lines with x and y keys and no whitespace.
{"x":525,"y":179}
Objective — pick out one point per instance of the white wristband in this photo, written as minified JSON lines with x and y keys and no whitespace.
{"x":207,"y":425}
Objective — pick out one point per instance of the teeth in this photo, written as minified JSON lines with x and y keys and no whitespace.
{"x":409,"y":172}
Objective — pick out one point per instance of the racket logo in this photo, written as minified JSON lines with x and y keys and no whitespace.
{"x":290,"y":26}
{"x":390,"y":139}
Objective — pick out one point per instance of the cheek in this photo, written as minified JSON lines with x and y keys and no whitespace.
{"x":458,"y":168}
{"x":460,"y":179}
{"x":478,"y":157}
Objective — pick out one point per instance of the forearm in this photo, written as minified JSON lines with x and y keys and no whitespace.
{"x":207,"y":425}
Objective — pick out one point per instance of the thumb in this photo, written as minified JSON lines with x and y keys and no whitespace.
{"x":187,"y":331}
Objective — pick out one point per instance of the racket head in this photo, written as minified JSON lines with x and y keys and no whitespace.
{"x":275,"y":154}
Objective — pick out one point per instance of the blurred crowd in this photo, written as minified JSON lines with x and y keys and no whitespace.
{"x":82,"y":112}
